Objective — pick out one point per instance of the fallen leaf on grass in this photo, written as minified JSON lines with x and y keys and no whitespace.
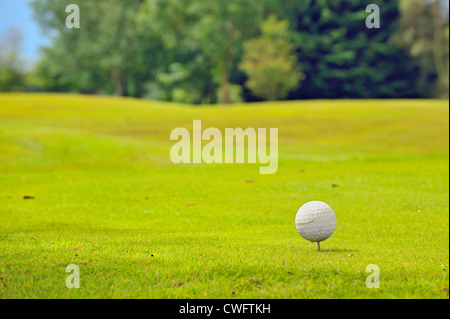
{"x":28,"y":197}
{"x":177,"y":284}
{"x":256,"y":281}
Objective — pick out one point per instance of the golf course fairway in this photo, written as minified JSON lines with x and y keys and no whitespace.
{"x":88,"y":180}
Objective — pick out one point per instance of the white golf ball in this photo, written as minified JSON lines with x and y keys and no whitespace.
{"x":315,"y":221}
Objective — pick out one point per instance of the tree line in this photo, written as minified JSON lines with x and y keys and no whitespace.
{"x":202,"y":52}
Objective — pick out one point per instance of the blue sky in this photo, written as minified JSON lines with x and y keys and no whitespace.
{"x":17,"y":13}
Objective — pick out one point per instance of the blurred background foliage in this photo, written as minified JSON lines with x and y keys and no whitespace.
{"x":216,"y":51}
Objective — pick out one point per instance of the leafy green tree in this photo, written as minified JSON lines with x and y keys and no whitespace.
{"x":12,"y":73}
{"x":107,"y":53}
{"x":58,"y":71}
{"x":182,"y":73}
{"x":222,"y":28}
{"x":270,"y":62}
{"x":210,"y":32}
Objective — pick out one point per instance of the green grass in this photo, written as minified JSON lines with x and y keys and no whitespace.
{"x":108,"y":198}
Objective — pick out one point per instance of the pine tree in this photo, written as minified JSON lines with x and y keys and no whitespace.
{"x":342,"y":58}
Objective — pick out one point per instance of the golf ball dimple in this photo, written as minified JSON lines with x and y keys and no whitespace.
{"x":315,"y":221}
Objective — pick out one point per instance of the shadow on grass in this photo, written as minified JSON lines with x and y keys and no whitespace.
{"x":337,"y":250}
